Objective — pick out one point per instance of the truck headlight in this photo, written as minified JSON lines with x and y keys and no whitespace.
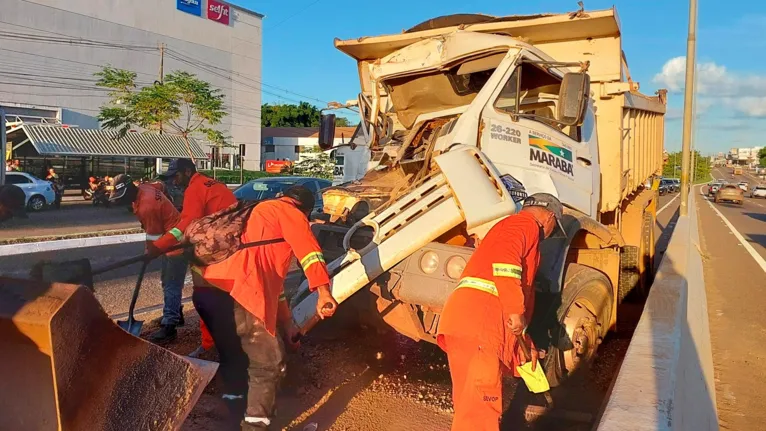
{"x":429,"y":262}
{"x":455,"y":267}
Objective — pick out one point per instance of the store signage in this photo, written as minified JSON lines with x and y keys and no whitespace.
{"x":218,"y":12}
{"x":277,"y":166}
{"x":193,"y":7}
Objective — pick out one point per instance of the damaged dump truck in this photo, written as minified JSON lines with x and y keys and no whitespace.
{"x":466,"y":115}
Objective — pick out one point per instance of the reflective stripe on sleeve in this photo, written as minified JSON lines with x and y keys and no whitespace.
{"x":311,"y":259}
{"x":506,"y":270}
{"x":282,"y":297}
{"x":177,"y":234}
{"x":478,"y":284}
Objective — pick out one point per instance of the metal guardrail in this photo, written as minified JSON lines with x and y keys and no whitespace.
{"x":666,"y":379}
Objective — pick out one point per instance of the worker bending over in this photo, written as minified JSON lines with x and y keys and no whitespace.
{"x":248,"y":300}
{"x":202,"y":196}
{"x":160,"y":220}
{"x":490,"y":308}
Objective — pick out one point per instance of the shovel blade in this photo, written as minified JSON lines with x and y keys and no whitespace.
{"x":133,"y":329}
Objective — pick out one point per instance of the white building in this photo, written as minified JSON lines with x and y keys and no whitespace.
{"x":745,"y":155}
{"x":51,"y":48}
{"x":294,"y":143}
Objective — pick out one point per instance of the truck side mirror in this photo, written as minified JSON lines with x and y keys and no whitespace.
{"x":573,"y":98}
{"x":326,"y":131}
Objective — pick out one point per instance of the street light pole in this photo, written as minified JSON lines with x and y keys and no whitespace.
{"x":691,"y":48}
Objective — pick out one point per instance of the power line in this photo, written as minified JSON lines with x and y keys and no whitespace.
{"x":300,"y":11}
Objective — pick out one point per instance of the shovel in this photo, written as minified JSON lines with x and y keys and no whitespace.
{"x":132,"y":325}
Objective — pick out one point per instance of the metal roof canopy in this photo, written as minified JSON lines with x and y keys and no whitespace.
{"x":56,"y":140}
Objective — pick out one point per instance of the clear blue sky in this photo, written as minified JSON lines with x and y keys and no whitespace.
{"x":298,"y":53}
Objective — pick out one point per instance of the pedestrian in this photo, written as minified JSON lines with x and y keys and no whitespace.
{"x":244,"y":301}
{"x":12,"y":202}
{"x":160,"y":220}
{"x":202,"y":196}
{"x":17,"y":165}
{"x":9,"y":165}
{"x":58,"y":186}
{"x":489,"y":310}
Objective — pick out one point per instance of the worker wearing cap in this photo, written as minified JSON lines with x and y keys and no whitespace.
{"x":202,"y":196}
{"x":160,"y":220}
{"x":12,"y":202}
{"x":490,"y":308}
{"x":247,"y":302}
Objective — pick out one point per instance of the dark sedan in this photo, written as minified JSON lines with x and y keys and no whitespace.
{"x":270,"y":187}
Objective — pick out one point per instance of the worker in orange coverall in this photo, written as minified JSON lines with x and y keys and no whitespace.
{"x":159,"y":218}
{"x":202,"y":196}
{"x":490,"y":308}
{"x":249,"y":296}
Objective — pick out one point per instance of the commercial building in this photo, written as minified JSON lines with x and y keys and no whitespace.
{"x":744,"y":156}
{"x":51,"y":49}
{"x":296,"y":143}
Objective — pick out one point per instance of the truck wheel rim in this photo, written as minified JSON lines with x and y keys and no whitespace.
{"x":583,"y":330}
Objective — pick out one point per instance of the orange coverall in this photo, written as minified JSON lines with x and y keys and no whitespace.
{"x":255,"y":276}
{"x":157,"y":215}
{"x":203,"y":196}
{"x":497,"y":282}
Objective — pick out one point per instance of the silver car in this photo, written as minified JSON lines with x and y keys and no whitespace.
{"x":712,"y":189}
{"x":39,"y":193}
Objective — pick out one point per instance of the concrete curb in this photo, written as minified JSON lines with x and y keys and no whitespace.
{"x":666,"y":380}
{"x":66,"y":244}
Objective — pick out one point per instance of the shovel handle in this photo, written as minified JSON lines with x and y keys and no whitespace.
{"x":134,"y":259}
{"x":310,"y":324}
{"x":525,"y":347}
{"x":133,"y":300}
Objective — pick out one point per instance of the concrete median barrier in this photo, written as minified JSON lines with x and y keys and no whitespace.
{"x":666,"y":380}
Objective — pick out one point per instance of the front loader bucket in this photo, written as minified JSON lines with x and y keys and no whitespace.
{"x":64,"y":365}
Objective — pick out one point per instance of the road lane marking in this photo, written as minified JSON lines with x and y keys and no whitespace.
{"x":667,"y":204}
{"x":758,"y":258}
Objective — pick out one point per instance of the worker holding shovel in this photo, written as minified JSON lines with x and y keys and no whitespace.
{"x":160,"y":220}
{"x":484,"y":321}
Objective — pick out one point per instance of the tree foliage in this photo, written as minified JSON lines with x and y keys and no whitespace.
{"x":183,"y":104}
{"x":317,"y":164}
{"x":672,"y":168}
{"x":762,"y":157}
{"x":289,"y":115}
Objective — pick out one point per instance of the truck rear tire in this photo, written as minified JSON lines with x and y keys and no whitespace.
{"x":584,"y":315}
{"x":637,"y":264}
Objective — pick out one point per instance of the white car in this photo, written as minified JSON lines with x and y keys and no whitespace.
{"x":743,"y":185}
{"x":758,"y":192}
{"x":39,"y":193}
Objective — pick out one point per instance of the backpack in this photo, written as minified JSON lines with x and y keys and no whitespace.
{"x":215,"y":237}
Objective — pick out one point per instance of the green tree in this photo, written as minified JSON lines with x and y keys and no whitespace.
{"x":762,"y":157}
{"x":315,"y":164}
{"x":672,"y":168}
{"x":183,"y":104}
{"x":303,"y":114}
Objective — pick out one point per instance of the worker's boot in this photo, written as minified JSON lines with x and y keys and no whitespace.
{"x":165,"y":334}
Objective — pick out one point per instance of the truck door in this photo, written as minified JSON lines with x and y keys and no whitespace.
{"x":521,"y":137}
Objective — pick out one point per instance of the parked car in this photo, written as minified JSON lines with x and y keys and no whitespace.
{"x":758,"y":192}
{"x":39,"y":193}
{"x":677,"y":181}
{"x":269,"y":187}
{"x":731,"y":193}
{"x":669,"y":184}
{"x":712,"y":189}
{"x":663,"y":189}
{"x":744,"y":186}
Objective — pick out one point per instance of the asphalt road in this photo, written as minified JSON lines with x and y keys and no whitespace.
{"x":734,"y":254}
{"x":342,"y":376}
{"x":74,"y":217}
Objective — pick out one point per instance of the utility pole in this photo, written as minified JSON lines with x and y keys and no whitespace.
{"x":691,"y":48}
{"x":162,"y":71}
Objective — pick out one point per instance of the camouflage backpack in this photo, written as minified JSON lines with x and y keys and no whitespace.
{"x":215,"y":237}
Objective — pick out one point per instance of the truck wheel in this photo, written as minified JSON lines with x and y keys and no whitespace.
{"x":630,"y":273}
{"x":583,"y":320}
{"x":647,"y":254}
